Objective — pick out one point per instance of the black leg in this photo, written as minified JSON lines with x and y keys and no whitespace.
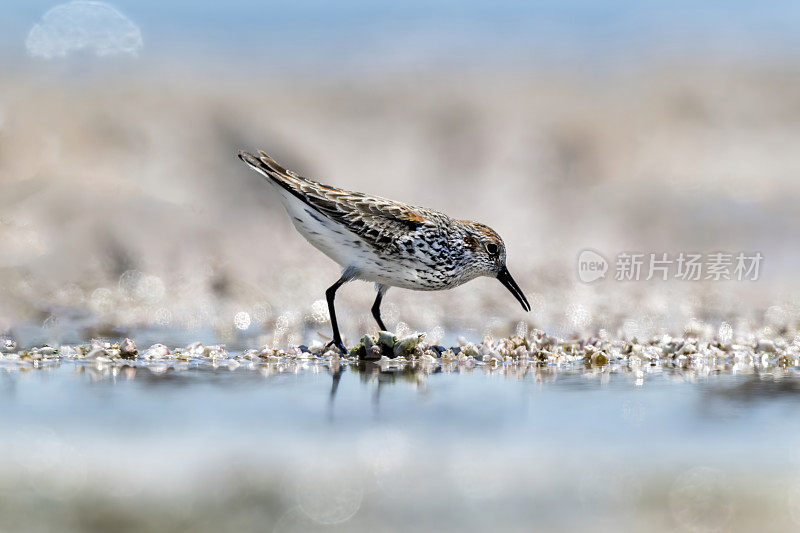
{"x":337,"y":376}
{"x":330,"y":294}
{"x":376,"y":307}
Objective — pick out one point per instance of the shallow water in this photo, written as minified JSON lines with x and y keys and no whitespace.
{"x":298,"y":446}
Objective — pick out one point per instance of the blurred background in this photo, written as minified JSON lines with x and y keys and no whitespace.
{"x":617,"y":126}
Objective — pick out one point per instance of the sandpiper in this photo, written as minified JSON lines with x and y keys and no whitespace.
{"x":386,"y":242}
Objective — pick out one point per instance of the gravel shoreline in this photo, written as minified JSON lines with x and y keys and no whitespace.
{"x":413,"y":352}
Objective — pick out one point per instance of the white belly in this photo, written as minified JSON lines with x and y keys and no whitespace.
{"x":334,"y":240}
{"x":351,"y":252}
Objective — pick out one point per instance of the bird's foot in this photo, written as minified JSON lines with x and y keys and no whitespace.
{"x":339,"y":346}
{"x":342,"y":348}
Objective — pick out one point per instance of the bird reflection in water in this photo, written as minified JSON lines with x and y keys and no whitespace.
{"x":381,"y":374}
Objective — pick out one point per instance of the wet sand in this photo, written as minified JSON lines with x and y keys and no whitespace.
{"x":117,"y":218}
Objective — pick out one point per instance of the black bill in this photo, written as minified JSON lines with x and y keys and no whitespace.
{"x":505,"y":278}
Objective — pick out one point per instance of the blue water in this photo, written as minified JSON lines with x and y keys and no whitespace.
{"x":467,"y":450}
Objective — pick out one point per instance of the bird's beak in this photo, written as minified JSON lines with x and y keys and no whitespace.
{"x":505,"y":278}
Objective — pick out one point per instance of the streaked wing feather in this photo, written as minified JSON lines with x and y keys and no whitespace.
{"x":374,"y":219}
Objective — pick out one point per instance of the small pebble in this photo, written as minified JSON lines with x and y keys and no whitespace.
{"x":765,"y":345}
{"x":127,"y":349}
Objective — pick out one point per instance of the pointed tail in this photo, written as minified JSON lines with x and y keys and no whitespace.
{"x":264,"y":164}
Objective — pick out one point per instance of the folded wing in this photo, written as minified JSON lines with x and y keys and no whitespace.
{"x":376,"y":220}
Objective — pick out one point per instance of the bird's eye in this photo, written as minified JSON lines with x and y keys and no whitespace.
{"x":491,"y":248}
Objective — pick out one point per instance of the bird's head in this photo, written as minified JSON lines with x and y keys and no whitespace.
{"x":487,"y":253}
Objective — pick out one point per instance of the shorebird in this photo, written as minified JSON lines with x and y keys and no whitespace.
{"x":388,"y":243}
